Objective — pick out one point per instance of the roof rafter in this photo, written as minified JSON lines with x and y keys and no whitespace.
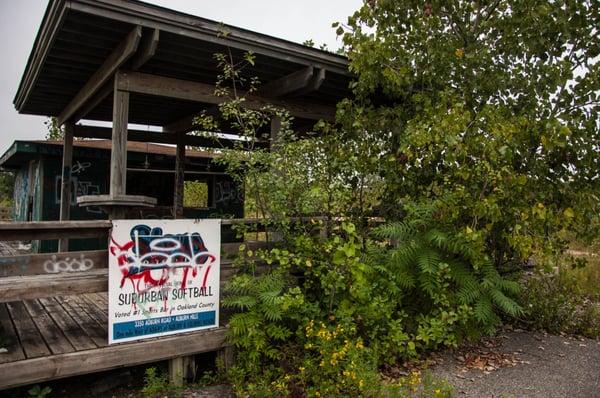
{"x":117,"y":58}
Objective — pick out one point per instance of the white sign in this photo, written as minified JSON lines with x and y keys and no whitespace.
{"x":163,"y":277}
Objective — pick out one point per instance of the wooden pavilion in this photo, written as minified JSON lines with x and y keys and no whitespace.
{"x":128,"y":62}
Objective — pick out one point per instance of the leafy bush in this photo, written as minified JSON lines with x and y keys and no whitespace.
{"x":157,"y":385}
{"x":440,"y":284}
{"x":554,"y":301}
{"x":329,"y":312}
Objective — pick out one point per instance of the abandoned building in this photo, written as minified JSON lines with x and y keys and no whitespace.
{"x":128,"y":62}
{"x":150,"y":171}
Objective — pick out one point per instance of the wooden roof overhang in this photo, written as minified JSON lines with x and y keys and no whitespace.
{"x":83,"y":44}
{"x":128,"y":62}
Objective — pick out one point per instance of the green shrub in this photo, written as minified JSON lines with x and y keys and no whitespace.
{"x":39,"y":392}
{"x":555,"y":301}
{"x":438,"y":285}
{"x":329,"y":312}
{"x":157,"y":385}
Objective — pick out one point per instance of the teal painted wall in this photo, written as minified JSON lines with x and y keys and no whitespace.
{"x":38,"y":186}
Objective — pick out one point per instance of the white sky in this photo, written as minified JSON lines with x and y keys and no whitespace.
{"x":292,"y":20}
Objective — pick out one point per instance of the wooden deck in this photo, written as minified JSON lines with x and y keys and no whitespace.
{"x":50,"y":338}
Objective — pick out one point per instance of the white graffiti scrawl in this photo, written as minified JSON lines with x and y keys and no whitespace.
{"x":56,"y":265}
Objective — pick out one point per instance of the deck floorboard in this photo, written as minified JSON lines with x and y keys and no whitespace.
{"x":54,"y":337}
{"x":51,"y":338}
{"x":30,"y":337}
{"x":14,"y":350}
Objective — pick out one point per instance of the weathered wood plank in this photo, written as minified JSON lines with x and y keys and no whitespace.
{"x":85,"y":322}
{"x":38,"y":286}
{"x":110,"y":357}
{"x":200,"y":92}
{"x":99,"y":316}
{"x":53,"y":263}
{"x":103,"y":300}
{"x":117,"y":58}
{"x":314,"y":84}
{"x":69,"y":327}
{"x":163,"y":138}
{"x":147,"y":49}
{"x":31,"y":340}
{"x":287,"y":84}
{"x":53,"y":230}
{"x":96,"y":228}
{"x":96,"y":304}
{"x":10,"y":339}
{"x":54,"y":337}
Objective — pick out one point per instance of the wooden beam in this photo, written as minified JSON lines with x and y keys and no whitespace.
{"x":41,"y":369}
{"x":117,"y":58}
{"x":163,"y":138}
{"x":81,"y":261}
{"x":41,"y":230}
{"x":314,"y":84}
{"x":13,"y":288}
{"x":147,"y":49}
{"x":287,"y":84}
{"x":65,"y":191}
{"x":53,"y":263}
{"x":100,"y":96}
{"x":200,"y":92}
{"x":118,"y":153}
{"x":186,"y":124}
{"x":149,"y":42}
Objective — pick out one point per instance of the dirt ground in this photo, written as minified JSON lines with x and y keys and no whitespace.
{"x":525,"y":364}
{"x":515,"y":364}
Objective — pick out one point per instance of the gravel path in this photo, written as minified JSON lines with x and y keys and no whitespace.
{"x":531,"y":365}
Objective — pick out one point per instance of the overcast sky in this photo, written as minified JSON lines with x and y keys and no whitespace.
{"x":292,"y":20}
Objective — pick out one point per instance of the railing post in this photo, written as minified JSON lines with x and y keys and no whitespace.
{"x":66,"y":182}
{"x":179,"y":176}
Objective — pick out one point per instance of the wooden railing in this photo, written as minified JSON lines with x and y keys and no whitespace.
{"x":29,"y":276}
{"x":32,"y":292}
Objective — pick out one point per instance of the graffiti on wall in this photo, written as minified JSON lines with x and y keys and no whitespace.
{"x":78,"y":167}
{"x":21,"y":195}
{"x":78,"y":188}
{"x":227,"y":192}
{"x":163,"y":277}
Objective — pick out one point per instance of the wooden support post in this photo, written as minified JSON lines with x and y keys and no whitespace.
{"x":225,"y":358}
{"x":118,"y":155}
{"x":189,"y":367}
{"x":182,"y":369}
{"x":65,"y":192}
{"x":179,"y":177}
{"x":176,"y":371}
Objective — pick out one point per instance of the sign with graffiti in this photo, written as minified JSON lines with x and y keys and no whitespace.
{"x":163,"y":277}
